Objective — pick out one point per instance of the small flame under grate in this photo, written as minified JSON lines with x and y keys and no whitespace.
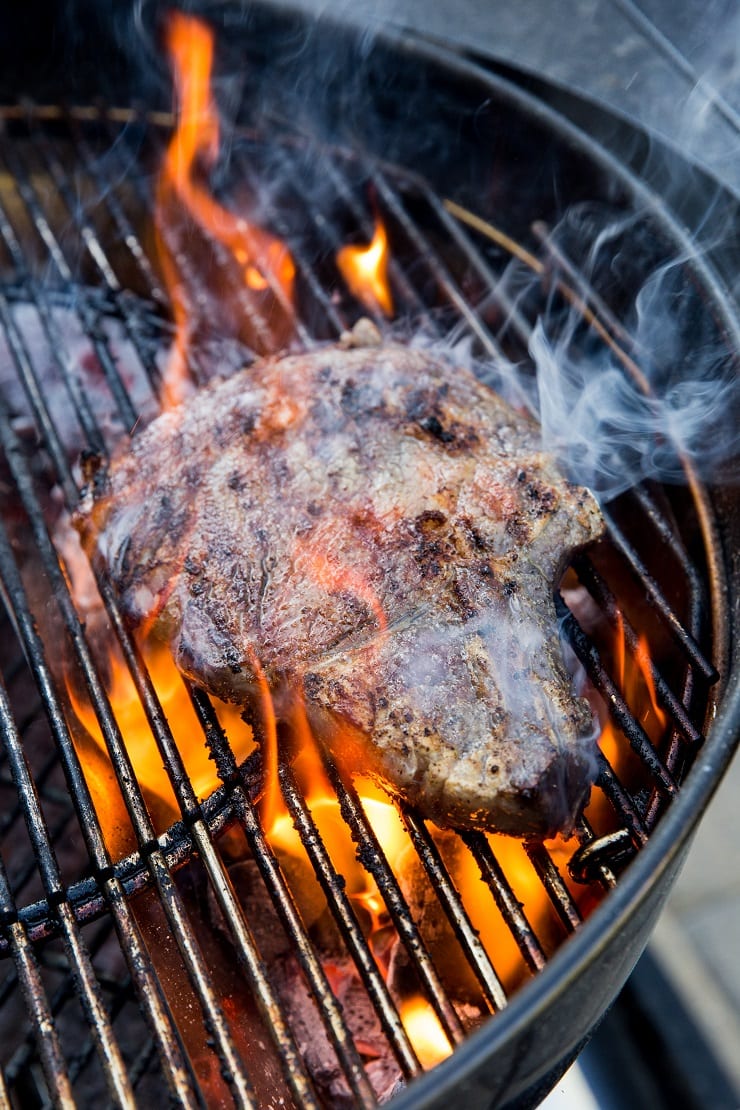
{"x":165,"y":936}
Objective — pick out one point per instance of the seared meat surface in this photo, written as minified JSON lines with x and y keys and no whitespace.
{"x":379,"y":534}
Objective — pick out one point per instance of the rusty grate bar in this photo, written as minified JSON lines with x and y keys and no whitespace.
{"x":329,"y":1011}
{"x":443,"y":884}
{"x":27,"y":969}
{"x":87,"y":987}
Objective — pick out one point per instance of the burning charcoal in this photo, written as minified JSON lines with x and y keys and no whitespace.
{"x":258,"y":909}
{"x":313,"y":1043}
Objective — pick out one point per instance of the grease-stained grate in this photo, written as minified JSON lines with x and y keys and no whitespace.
{"x":85,"y":328}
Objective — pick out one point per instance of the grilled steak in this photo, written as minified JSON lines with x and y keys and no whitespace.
{"x":379,"y":534}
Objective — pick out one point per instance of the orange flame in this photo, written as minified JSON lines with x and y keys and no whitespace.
{"x":633,"y":677}
{"x":425,"y":1032}
{"x":141,"y":746}
{"x":262,"y":257}
{"x":365,"y":270}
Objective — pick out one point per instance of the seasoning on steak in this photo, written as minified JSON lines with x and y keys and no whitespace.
{"x":381,"y":534}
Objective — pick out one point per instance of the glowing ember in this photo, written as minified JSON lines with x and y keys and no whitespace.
{"x":264,"y":260}
{"x":425,"y":1032}
{"x":365,"y":270}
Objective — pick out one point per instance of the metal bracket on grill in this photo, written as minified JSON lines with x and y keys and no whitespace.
{"x":612,"y":851}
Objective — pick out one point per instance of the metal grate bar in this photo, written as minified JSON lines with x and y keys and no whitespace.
{"x":97,"y":253}
{"x":361,"y":220}
{"x":20,"y":877}
{"x":57,"y":348}
{"x":656,"y":597}
{"x":88,"y":991}
{"x":333,"y":886}
{"x":155,"y":1008}
{"x":507,"y":902}
{"x":33,"y":392}
{"x":120,"y":219}
{"x":438,"y":270}
{"x":618,"y":709}
{"x":374,"y":861}
{"x":553,"y":883}
{"x":119,"y":147}
{"x":27,"y":970}
{"x":623,"y":803}
{"x":293,"y":1067}
{"x":22,"y":1059}
{"x":514,"y":320}
{"x":292,"y":1062}
{"x":330,"y":1011}
{"x":449,"y":898}
{"x":172,"y":904}
{"x":331,"y":313}
{"x":225,"y":262}
{"x":582,"y":286}
{"x":90,"y":319}
{"x":673,"y":543}
{"x":83,"y":1056}
{"x":599,"y":590}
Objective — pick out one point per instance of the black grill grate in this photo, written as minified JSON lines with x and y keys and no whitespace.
{"x":75,"y":203}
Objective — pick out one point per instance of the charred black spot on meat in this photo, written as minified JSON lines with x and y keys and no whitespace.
{"x":249,"y":422}
{"x":94,"y":471}
{"x":432,"y":425}
{"x":430,"y":520}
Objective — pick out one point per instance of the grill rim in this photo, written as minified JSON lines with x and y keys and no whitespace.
{"x":635,"y":886}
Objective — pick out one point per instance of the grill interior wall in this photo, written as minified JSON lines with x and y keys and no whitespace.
{"x":81,"y":287}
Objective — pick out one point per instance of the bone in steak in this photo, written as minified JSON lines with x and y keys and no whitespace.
{"x":380,"y":534}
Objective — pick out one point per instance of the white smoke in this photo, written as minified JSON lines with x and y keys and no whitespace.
{"x":613,"y":428}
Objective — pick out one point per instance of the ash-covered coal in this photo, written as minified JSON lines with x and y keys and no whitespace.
{"x":359,"y":1013}
{"x":290,"y":986}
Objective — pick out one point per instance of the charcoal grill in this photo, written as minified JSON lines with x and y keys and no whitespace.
{"x":116,"y":984}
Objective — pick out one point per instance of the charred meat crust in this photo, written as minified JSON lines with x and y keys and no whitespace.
{"x":383,"y":533}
